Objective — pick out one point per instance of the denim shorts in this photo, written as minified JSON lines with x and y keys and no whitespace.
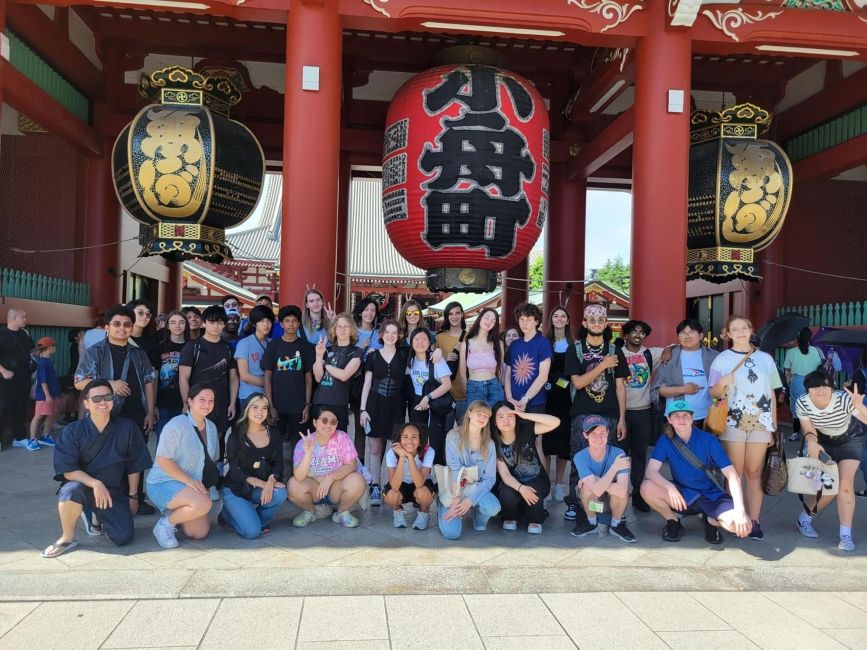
{"x":160,"y":494}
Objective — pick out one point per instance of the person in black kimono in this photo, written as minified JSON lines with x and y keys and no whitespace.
{"x":99,"y":461}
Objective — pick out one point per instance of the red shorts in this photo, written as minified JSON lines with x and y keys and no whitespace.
{"x":46,"y":408}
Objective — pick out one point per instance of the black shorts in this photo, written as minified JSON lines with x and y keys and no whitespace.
{"x":710,"y":507}
{"x":407,"y":490}
{"x":849,"y":449}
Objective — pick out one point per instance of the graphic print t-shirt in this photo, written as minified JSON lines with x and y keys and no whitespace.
{"x":692,"y":368}
{"x":638,"y":380}
{"x":524,"y":358}
{"x":600,"y":395}
{"x":338,"y":451}
{"x":289,"y":362}
{"x":332,"y":390}
{"x":169,"y":394}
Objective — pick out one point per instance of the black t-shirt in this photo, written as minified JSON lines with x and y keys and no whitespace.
{"x":132,"y":406}
{"x":599,"y":397}
{"x":151,"y":346}
{"x":169,"y":392}
{"x":331,"y":390}
{"x":289,"y":362}
{"x":15,"y":350}
{"x":210,"y":364}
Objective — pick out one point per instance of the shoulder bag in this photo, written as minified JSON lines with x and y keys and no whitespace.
{"x":715,"y":475}
{"x":210,"y":474}
{"x":775,"y":473}
{"x":718,"y":413}
{"x":811,"y":476}
{"x":440,"y":406}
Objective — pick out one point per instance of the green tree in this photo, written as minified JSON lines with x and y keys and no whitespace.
{"x":615,"y":273}
{"x":537,"y":273}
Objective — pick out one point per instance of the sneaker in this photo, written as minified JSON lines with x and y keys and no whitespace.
{"x":621,"y":532}
{"x":712,"y":533}
{"x":165,"y":533}
{"x":144,"y":508}
{"x":534,"y":529}
{"x":571,"y":509}
{"x":510,"y":524}
{"x":560,"y":492}
{"x":322,"y":511}
{"x":846,"y":543}
{"x":673,"y":531}
{"x":92,"y":529}
{"x":303,"y":519}
{"x":638,"y":502}
{"x":375,"y":495}
{"x":756,"y":533}
{"x":21,"y":444}
{"x":345,"y":519}
{"x":399,"y":519}
{"x":421,"y":520}
{"x":32,"y":445}
{"x":583,"y":528}
{"x":806,"y":528}
{"x":46,"y":441}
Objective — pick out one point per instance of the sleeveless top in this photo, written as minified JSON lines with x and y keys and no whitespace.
{"x":482,"y":361}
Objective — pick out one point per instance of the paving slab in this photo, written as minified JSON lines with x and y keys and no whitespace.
{"x":254,"y":623}
{"x":821,"y":610}
{"x":855,"y":639}
{"x":85,"y":624}
{"x":157,"y":623}
{"x":672,"y":612}
{"x":12,"y":613}
{"x":404,"y":629}
{"x":558,"y":642}
{"x":707,"y":640}
{"x":500,"y":615}
{"x":343,"y":618}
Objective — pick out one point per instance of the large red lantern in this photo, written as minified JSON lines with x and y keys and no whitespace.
{"x":465,"y":173}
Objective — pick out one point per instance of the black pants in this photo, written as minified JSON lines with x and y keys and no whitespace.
{"x":117,"y":521}
{"x":639,"y":426}
{"x":14,"y":400}
{"x":514,"y":508}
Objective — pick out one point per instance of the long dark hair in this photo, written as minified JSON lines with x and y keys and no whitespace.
{"x":360,"y":306}
{"x":493,"y":334}
{"x":804,"y":337}
{"x":167,"y":338}
{"x":151,"y":328}
{"x":568,"y":329}
{"x":446,"y":326}
{"x":525,"y":432}
{"x":410,"y":357}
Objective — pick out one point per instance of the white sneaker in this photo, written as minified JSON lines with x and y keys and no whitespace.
{"x":399,"y":519}
{"x":510,"y":524}
{"x":420,"y":522}
{"x":806,"y":528}
{"x":534,"y":529}
{"x":20,"y":444}
{"x":165,"y":533}
{"x":560,"y":491}
{"x":846,"y":543}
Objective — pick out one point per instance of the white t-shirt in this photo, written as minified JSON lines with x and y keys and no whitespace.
{"x":751,"y":399}
{"x":419,"y":373}
{"x":834,"y":419}
{"x":692,"y":368}
{"x":427,"y":461}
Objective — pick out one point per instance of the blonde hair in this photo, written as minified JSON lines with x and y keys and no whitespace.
{"x":306,"y":320}
{"x":353,"y":330}
{"x":464,"y":429}
{"x":733,"y":318}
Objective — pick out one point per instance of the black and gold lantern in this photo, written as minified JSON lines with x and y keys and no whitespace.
{"x":739,"y":192}
{"x":183,"y":168}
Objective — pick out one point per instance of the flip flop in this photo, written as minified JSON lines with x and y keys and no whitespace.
{"x":56,"y":550}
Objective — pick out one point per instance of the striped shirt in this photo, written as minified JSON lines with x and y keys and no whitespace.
{"x":834,"y":419}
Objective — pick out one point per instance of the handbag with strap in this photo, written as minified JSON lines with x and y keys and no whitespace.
{"x":714,"y":474}
{"x":450,"y":484}
{"x":440,"y":406}
{"x":775,"y":473}
{"x":812,"y":477}
{"x":718,"y":413}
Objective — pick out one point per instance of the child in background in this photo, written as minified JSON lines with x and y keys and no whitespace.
{"x":48,"y":396}
{"x":409,"y":463}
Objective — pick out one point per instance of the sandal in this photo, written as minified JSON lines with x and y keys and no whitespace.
{"x":56,"y":550}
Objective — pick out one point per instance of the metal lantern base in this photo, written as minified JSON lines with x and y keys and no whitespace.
{"x":463,"y":280}
{"x":178,"y":242}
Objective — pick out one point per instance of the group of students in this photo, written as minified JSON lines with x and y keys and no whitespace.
{"x":472,"y":420}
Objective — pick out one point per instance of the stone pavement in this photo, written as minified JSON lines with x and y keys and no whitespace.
{"x":496,"y":587}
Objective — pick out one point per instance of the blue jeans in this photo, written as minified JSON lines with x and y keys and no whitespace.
{"x":489,"y":391}
{"x":488,"y":507}
{"x":246,"y":516}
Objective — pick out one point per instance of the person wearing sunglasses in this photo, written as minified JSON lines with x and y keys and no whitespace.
{"x":99,"y":461}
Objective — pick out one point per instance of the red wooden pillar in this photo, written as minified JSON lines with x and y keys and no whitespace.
{"x":342,"y":301}
{"x":515,"y":291}
{"x":99,"y":216}
{"x":172,"y":297}
{"x":765,"y":297}
{"x":660,"y":176}
{"x":564,"y":246}
{"x":311,"y":147}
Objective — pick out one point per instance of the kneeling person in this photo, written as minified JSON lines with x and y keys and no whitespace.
{"x":100,"y":461}
{"x":603,"y":471}
{"x":692,"y":490}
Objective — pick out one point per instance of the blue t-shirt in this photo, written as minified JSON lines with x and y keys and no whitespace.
{"x":251,"y":349}
{"x":588,"y":466}
{"x":524,"y":359}
{"x":692,"y":481}
{"x":46,"y":372}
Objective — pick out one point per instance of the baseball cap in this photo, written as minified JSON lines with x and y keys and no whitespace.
{"x":593,"y":421}
{"x":677,"y":405}
{"x":45,"y":342}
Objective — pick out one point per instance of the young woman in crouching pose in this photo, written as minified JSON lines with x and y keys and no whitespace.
{"x":409,"y":463}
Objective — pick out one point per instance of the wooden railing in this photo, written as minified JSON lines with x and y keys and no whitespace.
{"x":32,"y":286}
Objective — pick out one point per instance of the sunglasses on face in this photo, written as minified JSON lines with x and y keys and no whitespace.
{"x":96,"y":399}
{"x":413,"y":312}
{"x":121,"y":324}
{"x":328,"y":421}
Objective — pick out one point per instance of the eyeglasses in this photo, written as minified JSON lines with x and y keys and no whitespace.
{"x":96,"y":399}
{"x":121,"y":324}
{"x":144,"y":313}
{"x":328,"y":421}
{"x":413,"y":312}
{"x":686,"y":333}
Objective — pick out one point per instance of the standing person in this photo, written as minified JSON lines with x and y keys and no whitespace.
{"x":523,"y":483}
{"x":685,"y":375}
{"x":722,"y":342}
{"x":471,"y":448}
{"x":99,"y":462}
{"x":859,"y":384}
{"x":800,"y":361}
{"x":410,"y":461}
{"x":48,"y":396}
{"x":528,"y":362}
{"x":366,"y":317}
{"x":184,"y":470}
{"x":209,"y":361}
{"x":832,"y":423}
{"x":317,"y":317}
{"x":335,"y":367}
{"x":194,"y":321}
{"x":559,"y":400}
{"x":15,"y":371}
{"x":95,"y":334}
{"x":410,"y":320}
{"x":129,"y":372}
{"x":232,"y":330}
{"x":325,"y":473}
{"x":480,"y":359}
{"x":425,"y":388}
{"x":748,"y":377}
{"x":382,"y":400}
{"x":641,"y":362}
{"x":254,"y":488}
{"x":249,"y":352}
{"x":169,"y":402}
{"x":598,"y":372}
{"x":692,"y":490}
{"x":449,"y":340}
{"x":144,"y":330}
{"x":511,"y":335}
{"x":265,"y":301}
